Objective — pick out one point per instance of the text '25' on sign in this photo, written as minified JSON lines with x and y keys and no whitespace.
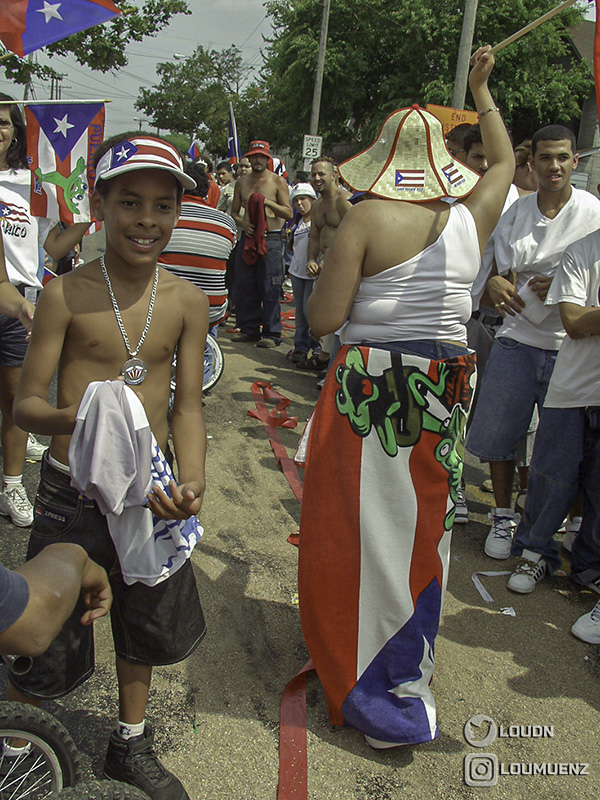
{"x":312,"y":146}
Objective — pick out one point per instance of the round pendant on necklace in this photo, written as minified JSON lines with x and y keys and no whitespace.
{"x":134,"y":371}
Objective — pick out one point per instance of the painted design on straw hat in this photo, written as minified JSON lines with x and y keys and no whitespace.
{"x":409,"y":161}
{"x":143,"y":152}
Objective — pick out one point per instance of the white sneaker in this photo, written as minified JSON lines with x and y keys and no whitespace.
{"x":587,"y":627}
{"x":571,"y":530}
{"x":529,"y":572}
{"x":499,"y":539}
{"x":15,"y":504}
{"x":35,"y":449}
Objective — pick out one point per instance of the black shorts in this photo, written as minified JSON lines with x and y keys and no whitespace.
{"x":151,"y":625}
{"x":13,"y":344}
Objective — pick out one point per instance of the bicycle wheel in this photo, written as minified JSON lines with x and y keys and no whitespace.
{"x":100,"y":790}
{"x":50,"y":760}
{"x":213,"y":363}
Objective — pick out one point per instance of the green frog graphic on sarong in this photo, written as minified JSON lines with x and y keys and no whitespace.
{"x":404,"y":401}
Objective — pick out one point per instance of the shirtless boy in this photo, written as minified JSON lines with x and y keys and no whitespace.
{"x":139,"y":180}
{"x":326,"y":214}
{"x":258,"y":282}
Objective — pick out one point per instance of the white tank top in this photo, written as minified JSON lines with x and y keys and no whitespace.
{"x":426,"y":297}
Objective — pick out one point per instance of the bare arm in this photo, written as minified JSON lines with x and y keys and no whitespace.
{"x":331,"y":299}
{"x":486,"y":201}
{"x":12,"y":302}
{"x":187,"y":421}
{"x":314,"y":245}
{"x":58,"y":243}
{"x":55,"y":578}
{"x":32,"y":411}
{"x":579,"y":321}
{"x":282,"y":207}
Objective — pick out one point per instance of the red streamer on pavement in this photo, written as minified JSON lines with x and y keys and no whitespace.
{"x":293,"y":758}
{"x":263,"y":393}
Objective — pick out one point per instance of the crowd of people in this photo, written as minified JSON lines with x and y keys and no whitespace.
{"x":444,"y":288}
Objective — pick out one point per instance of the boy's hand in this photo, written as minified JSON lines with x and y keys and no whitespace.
{"x":185,"y":502}
{"x":97,"y":594}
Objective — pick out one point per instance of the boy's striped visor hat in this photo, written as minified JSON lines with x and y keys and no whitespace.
{"x":143,"y":152}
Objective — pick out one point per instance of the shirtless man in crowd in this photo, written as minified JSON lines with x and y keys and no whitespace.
{"x":326,"y":214}
{"x":258,"y":284}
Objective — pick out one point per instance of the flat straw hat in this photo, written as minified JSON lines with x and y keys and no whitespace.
{"x":409,"y":161}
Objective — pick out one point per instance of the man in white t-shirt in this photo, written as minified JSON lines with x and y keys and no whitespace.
{"x":529,"y":244}
{"x":566,"y":458}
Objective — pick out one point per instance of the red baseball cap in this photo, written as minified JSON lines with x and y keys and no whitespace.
{"x":259,"y":148}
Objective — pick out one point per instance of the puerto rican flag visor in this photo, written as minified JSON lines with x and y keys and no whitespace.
{"x":143,"y":152}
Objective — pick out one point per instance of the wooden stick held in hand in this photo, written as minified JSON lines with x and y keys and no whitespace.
{"x":548,"y":15}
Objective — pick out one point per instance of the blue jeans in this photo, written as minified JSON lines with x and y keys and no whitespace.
{"x":303,"y":341}
{"x":566,"y":459}
{"x":515,"y":380}
{"x":258,"y":290}
{"x":428,"y":348}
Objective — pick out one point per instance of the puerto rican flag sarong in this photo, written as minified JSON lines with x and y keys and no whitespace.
{"x":383,"y":468}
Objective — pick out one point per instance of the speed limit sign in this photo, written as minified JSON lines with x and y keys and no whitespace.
{"x":312,"y":146}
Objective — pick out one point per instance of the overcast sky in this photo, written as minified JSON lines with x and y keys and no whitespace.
{"x":215,"y":24}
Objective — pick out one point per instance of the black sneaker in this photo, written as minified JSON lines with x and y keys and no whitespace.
{"x":134,"y":761}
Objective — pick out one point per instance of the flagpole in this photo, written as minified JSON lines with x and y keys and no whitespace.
{"x":548,"y":15}
{"x":50,"y":102}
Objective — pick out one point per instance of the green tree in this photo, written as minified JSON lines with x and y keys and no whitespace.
{"x":387,"y":55}
{"x":193,"y":96}
{"x":103,"y":46}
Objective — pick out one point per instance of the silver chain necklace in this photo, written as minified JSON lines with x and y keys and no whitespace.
{"x":134,"y":370}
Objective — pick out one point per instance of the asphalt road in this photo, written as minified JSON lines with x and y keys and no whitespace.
{"x":216,"y":715}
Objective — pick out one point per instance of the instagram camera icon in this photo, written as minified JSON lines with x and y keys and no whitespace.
{"x":481,"y":769}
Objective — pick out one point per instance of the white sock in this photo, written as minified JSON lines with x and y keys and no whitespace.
{"x":504,"y":512}
{"x":127,"y":730}
{"x":12,"y":480}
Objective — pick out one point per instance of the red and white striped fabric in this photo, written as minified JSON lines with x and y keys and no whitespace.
{"x":198,"y":251}
{"x":382,"y":472}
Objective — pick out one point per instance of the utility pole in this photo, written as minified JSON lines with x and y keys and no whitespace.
{"x":316,"y":104}
{"x":464,"y":54}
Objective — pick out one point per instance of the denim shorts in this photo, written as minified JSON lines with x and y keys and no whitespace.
{"x":151,"y":625}
{"x":13,"y":345}
{"x":515,"y":380}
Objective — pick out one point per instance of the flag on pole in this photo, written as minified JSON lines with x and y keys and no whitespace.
{"x":60,"y":142}
{"x":27,"y":26}
{"x":194,"y":151}
{"x":233,"y":143}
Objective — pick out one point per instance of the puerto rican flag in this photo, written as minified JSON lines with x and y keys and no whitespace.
{"x":194,"y":151}
{"x":60,"y":142}
{"x":452,"y":173}
{"x":28,"y":25}
{"x":14,"y":213}
{"x":375,"y":536}
{"x":277,"y":166}
{"x":233,"y":142}
{"x":410,"y":179}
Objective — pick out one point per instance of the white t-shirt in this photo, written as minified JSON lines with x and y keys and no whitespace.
{"x":21,"y":233}
{"x":575,"y":381}
{"x":426,"y":297}
{"x":530,"y":244}
{"x":300,"y":251}
{"x":485,"y":270}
